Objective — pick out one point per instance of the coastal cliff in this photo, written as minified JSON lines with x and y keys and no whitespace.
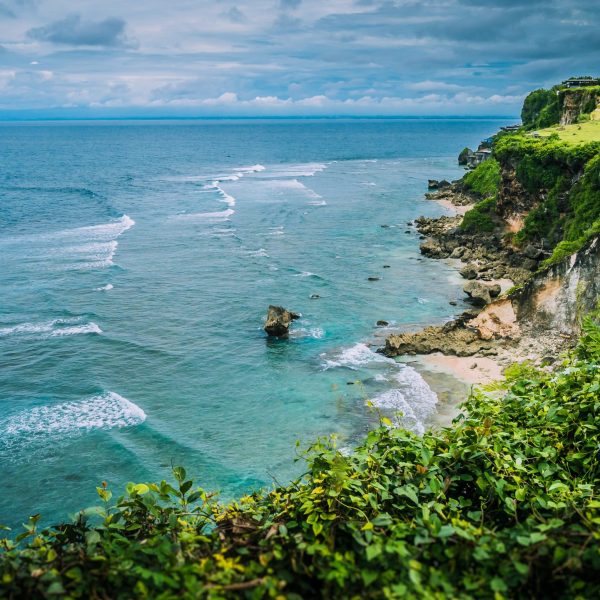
{"x":533,"y":222}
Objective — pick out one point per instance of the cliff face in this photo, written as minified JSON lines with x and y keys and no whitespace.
{"x":577,"y":102}
{"x":557,"y":298}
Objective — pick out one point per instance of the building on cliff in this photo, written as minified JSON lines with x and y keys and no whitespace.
{"x":575,"y":82}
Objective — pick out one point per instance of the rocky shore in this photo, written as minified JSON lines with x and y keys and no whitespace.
{"x":505,"y":325}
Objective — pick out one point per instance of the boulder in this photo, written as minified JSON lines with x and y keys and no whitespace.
{"x":494,"y":290}
{"x":458,"y":252}
{"x":434,"y":184}
{"x":478,"y":292}
{"x":532,"y":252}
{"x":278,"y":321}
{"x":469,"y":271}
{"x":382,"y":323}
{"x":373,"y":278}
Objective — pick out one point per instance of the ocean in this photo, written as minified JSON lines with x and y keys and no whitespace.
{"x":137,"y":263}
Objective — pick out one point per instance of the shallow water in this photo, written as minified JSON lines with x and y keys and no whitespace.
{"x":138,"y":261}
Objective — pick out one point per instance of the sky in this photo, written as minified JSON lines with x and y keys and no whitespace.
{"x":189,"y":58}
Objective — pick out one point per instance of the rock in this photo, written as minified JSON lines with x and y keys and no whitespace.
{"x":469,"y":271}
{"x":463,"y":157}
{"x":458,"y":252}
{"x":314,"y":296}
{"x":407,"y":231}
{"x":432,"y":249}
{"x":382,"y":323}
{"x":349,"y":382}
{"x":529,"y":264}
{"x":494,"y":290}
{"x":532,"y":252}
{"x":385,"y":226}
{"x":478,"y":292}
{"x":434,"y":184}
{"x":373,"y":278}
{"x":278,"y":321}
{"x":386,"y":266}
{"x":452,"y":303}
{"x":473,"y":366}
{"x":453,"y":338}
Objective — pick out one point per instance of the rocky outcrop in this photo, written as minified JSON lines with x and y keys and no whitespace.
{"x":557,"y":298}
{"x":576,"y":102}
{"x":278,"y":321}
{"x":455,"y":338}
{"x":434,"y":184}
{"x":478,"y":293}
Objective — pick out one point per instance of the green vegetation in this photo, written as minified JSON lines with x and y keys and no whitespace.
{"x":584,"y":132}
{"x":483,"y":179}
{"x":541,"y":108}
{"x":544,"y":108}
{"x":481,"y":217}
{"x":464,"y":154}
{"x":504,"y":504}
{"x":546,"y":168}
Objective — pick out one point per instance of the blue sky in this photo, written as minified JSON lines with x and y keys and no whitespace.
{"x":288,"y":57}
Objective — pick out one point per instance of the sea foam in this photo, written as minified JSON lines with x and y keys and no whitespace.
{"x":105,"y":411}
{"x":54,"y":328}
{"x":358,"y":355}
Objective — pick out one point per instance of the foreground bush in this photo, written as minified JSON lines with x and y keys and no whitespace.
{"x":504,"y":504}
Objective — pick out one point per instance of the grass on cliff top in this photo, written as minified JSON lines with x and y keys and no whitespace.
{"x":577,"y":133}
{"x":505,"y":504}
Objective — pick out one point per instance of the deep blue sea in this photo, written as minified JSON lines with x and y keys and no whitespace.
{"x":137,"y":262}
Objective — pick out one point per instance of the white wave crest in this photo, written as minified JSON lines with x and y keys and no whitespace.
{"x":358,"y":355}
{"x":105,"y":411}
{"x":252,"y":169}
{"x":105,"y":288}
{"x":412,"y":397}
{"x":54,"y":328}
{"x":315,"y":333}
{"x":298,"y":170}
{"x":221,"y":215}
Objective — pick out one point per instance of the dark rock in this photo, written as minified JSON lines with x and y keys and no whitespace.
{"x":386,"y":266}
{"x":529,"y":264}
{"x":434,"y":184}
{"x":385,"y":226}
{"x":478,"y":292}
{"x":408,"y":231}
{"x":458,"y":252}
{"x":314,"y":296}
{"x":373,"y":278}
{"x":469,"y":271}
{"x":382,"y":323}
{"x":453,"y":303}
{"x":494,"y":290}
{"x":532,"y":252}
{"x":278,"y":321}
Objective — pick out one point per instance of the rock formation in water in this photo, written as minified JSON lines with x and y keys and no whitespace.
{"x":278,"y":321}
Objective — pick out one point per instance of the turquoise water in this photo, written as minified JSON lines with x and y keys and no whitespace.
{"x":137,"y":264}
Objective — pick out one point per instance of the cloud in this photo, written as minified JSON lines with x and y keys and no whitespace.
{"x":290,"y":4}
{"x":75,"y":31}
{"x":251,"y":56}
{"x":235,"y":15}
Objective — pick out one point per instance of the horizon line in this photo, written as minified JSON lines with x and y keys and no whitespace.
{"x":25,"y":119}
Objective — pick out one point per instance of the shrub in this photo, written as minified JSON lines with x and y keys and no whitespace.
{"x":483,"y":179}
{"x":481,"y":217}
{"x":541,"y":108}
{"x":504,"y":504}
